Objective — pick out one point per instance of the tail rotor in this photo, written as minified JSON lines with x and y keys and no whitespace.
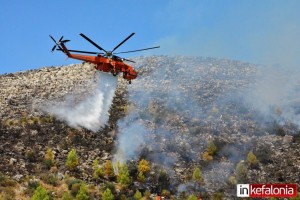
{"x":57,"y":44}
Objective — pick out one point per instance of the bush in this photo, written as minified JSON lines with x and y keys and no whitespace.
{"x":192,"y":197}
{"x":50,"y":179}
{"x":251,"y":159}
{"x":49,"y":160}
{"x":241,"y":172}
{"x":8,"y":193}
{"x":107,"y":195}
{"x":197,"y":176}
{"x":40,"y":194}
{"x":217,"y":196}
{"x":144,"y":166}
{"x":67,"y":196}
{"x":97,"y":169}
{"x":6,"y":181}
{"x":138,"y":195}
{"x":72,"y":160}
{"x":108,"y":169}
{"x":163,"y":180}
{"x":141,"y":177}
{"x":83,"y":193}
{"x":211,"y":148}
{"x":206,"y":156}
{"x":123,"y":176}
{"x":108,"y":185}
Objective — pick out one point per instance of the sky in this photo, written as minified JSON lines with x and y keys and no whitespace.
{"x":257,"y":31}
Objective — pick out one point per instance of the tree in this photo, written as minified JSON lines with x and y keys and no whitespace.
{"x":108,"y":169}
{"x":40,"y":194}
{"x":67,"y":196}
{"x":241,"y":172}
{"x":144,"y":166}
{"x":49,"y":158}
{"x":123,"y":176}
{"x":107,"y":195}
{"x":211,"y":148}
{"x":72,"y":160}
{"x":83,"y":193}
{"x":251,"y":159}
{"x":138,"y":195}
{"x":192,"y":197}
{"x":197,"y":176}
{"x":141,"y":177}
{"x":97,"y":169}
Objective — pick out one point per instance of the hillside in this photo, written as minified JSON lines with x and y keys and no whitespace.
{"x":179,"y":114}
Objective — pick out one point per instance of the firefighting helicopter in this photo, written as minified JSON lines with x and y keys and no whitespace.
{"x":105,"y":61}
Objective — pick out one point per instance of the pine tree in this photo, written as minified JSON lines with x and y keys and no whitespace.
{"x":40,"y":194}
{"x":241,"y":172}
{"x":107,"y":195}
{"x":251,"y":159}
{"x":123,"y":176}
{"x":138,"y":195}
{"x":83,"y":193}
{"x":49,"y":158}
{"x":72,"y":160}
{"x":211,"y":148}
{"x":192,"y":197}
{"x":197,"y":176}
{"x":141,"y":177}
{"x":108,"y":169}
{"x":97,"y":169}
{"x":144,"y":166}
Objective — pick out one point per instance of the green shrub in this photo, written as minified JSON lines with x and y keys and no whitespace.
{"x":123,"y":176}
{"x":107,"y":195}
{"x":40,"y":194}
{"x":67,"y":196}
{"x":211,"y":148}
{"x":49,"y":160}
{"x":144,"y":166}
{"x":197,"y":176}
{"x":6,"y":181}
{"x":138,"y":195}
{"x":72,"y":160}
{"x":192,"y":197}
{"x":50,"y":179}
{"x":97,"y":169}
{"x":108,"y":169}
{"x":251,"y":159}
{"x":83,"y":193}
{"x":241,"y":172}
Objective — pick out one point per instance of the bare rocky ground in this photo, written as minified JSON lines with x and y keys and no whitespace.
{"x":181,"y":103}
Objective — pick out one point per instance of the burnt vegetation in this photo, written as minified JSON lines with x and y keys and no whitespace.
{"x":201,"y":138}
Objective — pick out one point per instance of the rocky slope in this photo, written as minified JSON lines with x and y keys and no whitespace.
{"x":169,"y":116}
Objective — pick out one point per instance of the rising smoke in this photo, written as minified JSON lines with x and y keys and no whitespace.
{"x":92,"y":112}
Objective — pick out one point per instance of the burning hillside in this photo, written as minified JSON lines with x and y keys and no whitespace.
{"x":232,"y":120}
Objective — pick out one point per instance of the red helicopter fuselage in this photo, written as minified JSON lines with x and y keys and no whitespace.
{"x":105,"y":64}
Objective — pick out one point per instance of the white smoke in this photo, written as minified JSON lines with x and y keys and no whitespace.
{"x":275,"y":95}
{"x":92,"y":112}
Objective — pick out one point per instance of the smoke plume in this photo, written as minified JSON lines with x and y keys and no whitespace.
{"x":92,"y":112}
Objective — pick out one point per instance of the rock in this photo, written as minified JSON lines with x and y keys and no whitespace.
{"x":18,"y":177}
{"x":60,"y":176}
{"x":12,"y":161}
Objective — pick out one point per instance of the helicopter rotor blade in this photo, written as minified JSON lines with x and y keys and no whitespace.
{"x":123,"y":41}
{"x":93,"y":43}
{"x":138,"y":50}
{"x":60,"y":39}
{"x":53,"y":39}
{"x":88,"y":52}
{"x":128,"y":60}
